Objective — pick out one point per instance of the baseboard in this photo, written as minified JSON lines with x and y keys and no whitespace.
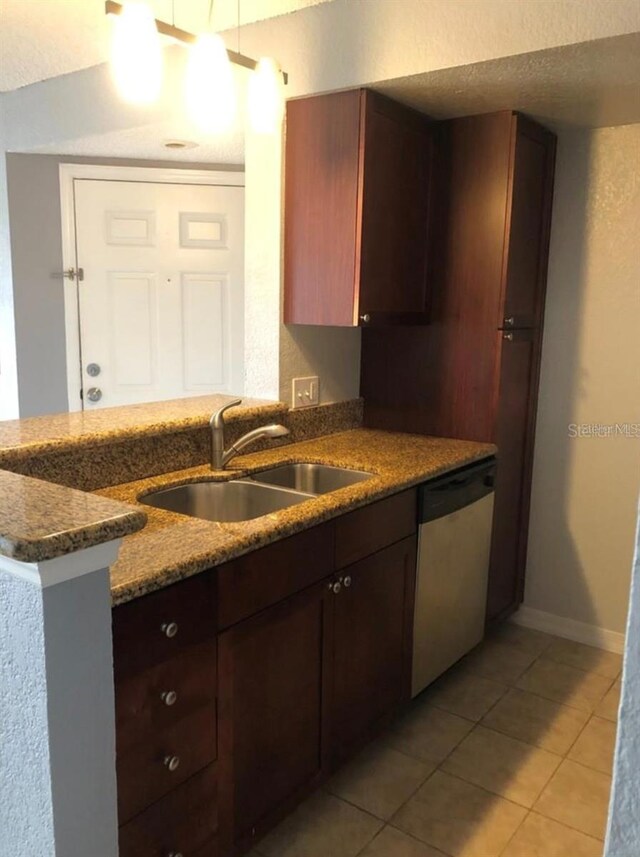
{"x":570,"y":629}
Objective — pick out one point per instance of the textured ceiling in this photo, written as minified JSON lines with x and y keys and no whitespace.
{"x":593,"y":84}
{"x":40,"y":39}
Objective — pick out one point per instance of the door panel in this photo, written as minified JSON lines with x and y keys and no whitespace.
{"x":271,"y":676}
{"x":204,"y":309}
{"x":395,"y":210}
{"x":514,"y":402}
{"x":369,"y":644}
{"x":162,"y":304}
{"x":528,"y":231}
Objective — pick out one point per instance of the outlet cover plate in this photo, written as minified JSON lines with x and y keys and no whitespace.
{"x":305,"y":392}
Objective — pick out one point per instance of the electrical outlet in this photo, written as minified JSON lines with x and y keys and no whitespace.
{"x":305,"y":392}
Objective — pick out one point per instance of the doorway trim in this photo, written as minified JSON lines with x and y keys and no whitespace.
{"x":68,"y":174}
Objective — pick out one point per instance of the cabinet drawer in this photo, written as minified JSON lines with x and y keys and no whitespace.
{"x":156,"y":699}
{"x":184,"y":822}
{"x":262,"y":578}
{"x":373,"y":527}
{"x":143,"y":773}
{"x":157,"y":627}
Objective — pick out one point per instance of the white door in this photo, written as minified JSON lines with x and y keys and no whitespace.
{"x":161,"y":305}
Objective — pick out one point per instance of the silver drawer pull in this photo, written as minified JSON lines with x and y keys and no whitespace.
{"x":170,"y":629}
{"x":347,"y":581}
{"x":172,"y":762}
{"x":508,"y":337}
{"x":169,"y":697}
{"x":365,"y":318}
{"x":510,"y":321}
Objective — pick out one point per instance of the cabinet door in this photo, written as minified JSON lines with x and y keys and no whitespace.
{"x":514,"y":437}
{"x":395,"y":214}
{"x":320,"y":214}
{"x":372,"y":623}
{"x":530,"y":195}
{"x":271,"y":692}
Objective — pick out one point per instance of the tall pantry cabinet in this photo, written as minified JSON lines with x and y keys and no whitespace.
{"x":473,"y":372}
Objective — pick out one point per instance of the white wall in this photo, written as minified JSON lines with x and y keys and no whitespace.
{"x":585,"y":490}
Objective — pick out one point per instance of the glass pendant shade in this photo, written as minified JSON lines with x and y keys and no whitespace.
{"x":266,"y":97}
{"x":136,"y":55}
{"x":210,"y":96}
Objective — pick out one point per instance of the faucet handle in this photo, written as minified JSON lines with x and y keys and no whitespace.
{"x":216,"y":417}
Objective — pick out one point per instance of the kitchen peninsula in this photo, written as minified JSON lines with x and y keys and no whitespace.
{"x":268,"y":605}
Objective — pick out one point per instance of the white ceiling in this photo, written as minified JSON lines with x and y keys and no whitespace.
{"x":592,"y":84}
{"x":40,"y":39}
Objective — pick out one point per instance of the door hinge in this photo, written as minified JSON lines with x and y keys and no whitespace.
{"x":71,"y":274}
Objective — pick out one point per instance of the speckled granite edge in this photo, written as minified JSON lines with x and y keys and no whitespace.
{"x":173,"y":547}
{"x":97,"y":462}
{"x":37,"y":441}
{"x":40,"y":520}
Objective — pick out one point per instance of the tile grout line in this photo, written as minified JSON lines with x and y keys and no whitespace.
{"x":388,"y":823}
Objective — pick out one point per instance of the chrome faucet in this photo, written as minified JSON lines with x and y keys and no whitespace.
{"x":220,"y":456}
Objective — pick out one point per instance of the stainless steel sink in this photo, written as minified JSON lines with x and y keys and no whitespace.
{"x":237,"y":500}
{"x":311,"y":478}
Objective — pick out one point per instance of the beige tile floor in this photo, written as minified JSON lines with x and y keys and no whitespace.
{"x":507,"y":755}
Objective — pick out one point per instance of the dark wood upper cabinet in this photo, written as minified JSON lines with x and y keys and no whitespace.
{"x":460,"y":377}
{"x":357,"y":211}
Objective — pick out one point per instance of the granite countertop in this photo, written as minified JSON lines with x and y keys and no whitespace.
{"x":40,"y":520}
{"x":173,"y":547}
{"x":28,"y":437}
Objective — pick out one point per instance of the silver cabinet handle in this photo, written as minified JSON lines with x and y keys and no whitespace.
{"x":94,"y":394}
{"x":170,"y":629}
{"x":347,"y":581}
{"x":509,"y":321}
{"x":172,"y":762}
{"x":169,"y":697}
{"x":335,"y":587}
{"x":365,"y":318}
{"x":508,"y":337}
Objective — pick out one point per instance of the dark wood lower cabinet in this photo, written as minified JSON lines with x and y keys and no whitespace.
{"x":184,"y":822}
{"x":370,"y":628}
{"x":257,"y":715}
{"x":272,"y":687}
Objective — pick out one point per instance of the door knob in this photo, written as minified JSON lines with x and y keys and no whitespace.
{"x":93,"y":369}
{"x":94,"y":394}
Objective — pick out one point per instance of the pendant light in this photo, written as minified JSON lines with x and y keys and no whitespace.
{"x":266,"y":97}
{"x":209,"y":90}
{"x":136,"y":54}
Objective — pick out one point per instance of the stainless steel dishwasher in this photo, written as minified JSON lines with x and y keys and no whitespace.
{"x":454,"y":540}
